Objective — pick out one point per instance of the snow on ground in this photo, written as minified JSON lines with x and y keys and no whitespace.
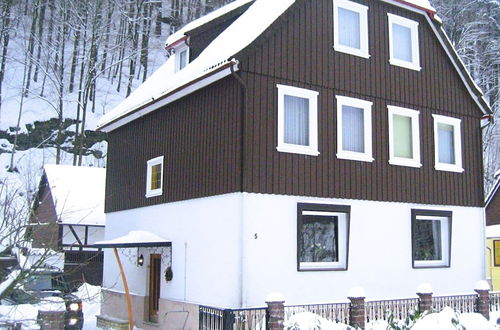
{"x":91,"y":298}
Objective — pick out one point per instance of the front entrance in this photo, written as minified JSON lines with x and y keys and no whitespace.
{"x":154,"y":286}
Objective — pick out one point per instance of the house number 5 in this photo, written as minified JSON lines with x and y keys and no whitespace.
{"x":255,"y":236}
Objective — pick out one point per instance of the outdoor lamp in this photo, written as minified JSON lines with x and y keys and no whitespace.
{"x":140,"y":260}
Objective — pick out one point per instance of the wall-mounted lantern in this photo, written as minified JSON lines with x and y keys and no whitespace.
{"x":140,"y":260}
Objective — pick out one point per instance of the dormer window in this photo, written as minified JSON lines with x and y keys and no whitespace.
{"x":351,"y":28}
{"x":403,"y":42}
{"x":181,"y":57}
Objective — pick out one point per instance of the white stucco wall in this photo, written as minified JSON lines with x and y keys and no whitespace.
{"x":380,"y":257}
{"x":206,"y":253}
{"x":217,"y":259}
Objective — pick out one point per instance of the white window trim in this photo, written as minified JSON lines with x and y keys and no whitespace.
{"x":312,"y":96}
{"x":457,"y":138}
{"x":154,"y":192}
{"x":178,"y":51}
{"x":367,"y":108}
{"x":445,"y":243}
{"x":413,"y":26}
{"x":342,"y":253}
{"x":363,"y":21}
{"x":414,"y":115}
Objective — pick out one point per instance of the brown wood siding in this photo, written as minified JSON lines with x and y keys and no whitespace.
{"x":297,"y":50}
{"x":45,"y":235}
{"x":199,"y":136}
{"x":493,"y":210}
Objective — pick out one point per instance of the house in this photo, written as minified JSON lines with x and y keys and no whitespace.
{"x":493,"y":235}
{"x":68,"y":216}
{"x":296,"y":146}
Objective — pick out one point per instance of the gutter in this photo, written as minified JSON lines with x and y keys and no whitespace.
{"x":174,"y":95}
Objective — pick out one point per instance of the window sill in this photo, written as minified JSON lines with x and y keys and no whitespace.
{"x":449,"y":168}
{"x":298,"y":150}
{"x":154,"y":193}
{"x":407,"y":65}
{"x":430,"y":264}
{"x":355,"y":156}
{"x":405,"y":162}
{"x":351,"y":51}
{"x":321,"y":266}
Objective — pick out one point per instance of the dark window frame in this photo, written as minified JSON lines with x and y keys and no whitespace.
{"x":436,"y":213}
{"x":495,"y":254}
{"x":322,"y":208}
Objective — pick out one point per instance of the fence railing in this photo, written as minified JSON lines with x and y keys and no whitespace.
{"x":381,"y":309}
{"x":495,"y":301}
{"x":336,"y":312}
{"x":213,"y":318}
{"x":249,"y":319}
{"x":461,"y":303}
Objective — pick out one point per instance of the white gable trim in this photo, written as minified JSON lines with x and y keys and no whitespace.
{"x":447,"y":50}
{"x":183,"y":91}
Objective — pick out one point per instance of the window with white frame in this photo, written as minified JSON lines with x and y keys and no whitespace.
{"x":404,"y":137}
{"x":403,"y":42}
{"x":447,"y":144}
{"x":431,"y":238}
{"x":297,"y":120}
{"x":154,"y":177}
{"x":351,"y":28}
{"x":322,"y":237}
{"x":354,"y":129}
{"x":181,"y":57}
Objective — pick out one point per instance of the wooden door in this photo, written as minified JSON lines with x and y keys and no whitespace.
{"x":154,"y":286}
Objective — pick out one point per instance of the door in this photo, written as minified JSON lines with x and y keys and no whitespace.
{"x":154,"y":286}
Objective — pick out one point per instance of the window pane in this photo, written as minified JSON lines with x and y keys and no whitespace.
{"x":401,"y":43}
{"x":319,"y":239}
{"x":182,"y":59}
{"x":427,"y":238}
{"x":446,"y":144}
{"x":296,"y":120}
{"x":349,"y":28}
{"x":353,"y":129}
{"x":497,"y":252}
{"x":156,"y":177}
{"x":403,"y":142}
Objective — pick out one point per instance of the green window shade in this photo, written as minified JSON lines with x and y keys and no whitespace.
{"x":156,"y":177}
{"x":403,"y":142}
{"x":497,"y":252}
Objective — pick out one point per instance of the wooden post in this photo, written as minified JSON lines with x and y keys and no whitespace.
{"x":127,"y":292}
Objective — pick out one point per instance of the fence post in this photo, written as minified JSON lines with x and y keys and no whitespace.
{"x":357,"y":309}
{"x":227,"y":319}
{"x":275,"y":311}
{"x":424,"y":293}
{"x":483,"y":299}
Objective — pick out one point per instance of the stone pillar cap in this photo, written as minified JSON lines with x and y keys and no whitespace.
{"x":275,"y":297}
{"x":482,"y":286}
{"x":425,"y":288}
{"x":357,"y":292}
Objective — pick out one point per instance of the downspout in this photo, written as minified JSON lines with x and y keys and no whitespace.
{"x":243,"y":106}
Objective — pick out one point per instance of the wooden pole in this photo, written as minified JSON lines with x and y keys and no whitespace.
{"x":127,"y":292}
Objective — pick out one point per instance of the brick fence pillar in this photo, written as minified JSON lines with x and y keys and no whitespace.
{"x":424,"y":302}
{"x":357,"y":312}
{"x":483,"y":299}
{"x":275,"y":311}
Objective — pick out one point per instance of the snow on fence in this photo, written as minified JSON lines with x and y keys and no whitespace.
{"x":336,"y":312}
{"x":382,"y":309}
{"x":461,"y":303}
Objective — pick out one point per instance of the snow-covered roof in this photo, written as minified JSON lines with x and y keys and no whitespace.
{"x":135,"y":238}
{"x":78,"y":193}
{"x":493,"y":231}
{"x":424,"y":4}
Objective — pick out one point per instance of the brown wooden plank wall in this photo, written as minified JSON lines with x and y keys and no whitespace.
{"x":297,"y":50}
{"x":199,"y":137}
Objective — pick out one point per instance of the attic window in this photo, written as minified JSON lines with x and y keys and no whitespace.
{"x":403,"y":42}
{"x":297,"y":120}
{"x":154,"y":178}
{"x":181,"y":57}
{"x":351,"y":28}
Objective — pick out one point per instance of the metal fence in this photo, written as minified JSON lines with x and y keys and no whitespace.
{"x":400,"y":309}
{"x":212,"y":318}
{"x":495,"y":301}
{"x":336,"y":312}
{"x":461,"y":303}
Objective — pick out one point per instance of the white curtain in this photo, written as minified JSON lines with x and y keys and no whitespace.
{"x":296,"y":120}
{"x":401,"y":43}
{"x":353,"y":129}
{"x":349,"y":28}
{"x":446,"y":144}
{"x":436,"y":236}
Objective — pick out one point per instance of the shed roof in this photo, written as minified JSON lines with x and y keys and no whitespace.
{"x":78,"y":193}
